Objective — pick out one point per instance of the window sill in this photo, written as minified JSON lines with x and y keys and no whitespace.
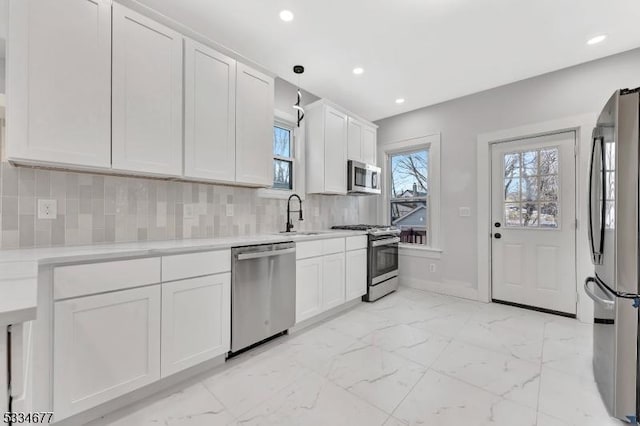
{"x":278,"y":194}
{"x":416,"y":250}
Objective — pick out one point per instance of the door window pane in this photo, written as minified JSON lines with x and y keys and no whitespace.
{"x":549,"y":215}
{"x":531,"y":188}
{"x":530,"y":163}
{"x":512,"y":214}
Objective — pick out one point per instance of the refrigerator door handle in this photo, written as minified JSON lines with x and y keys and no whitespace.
{"x":607,"y":303}
{"x":597,"y":162}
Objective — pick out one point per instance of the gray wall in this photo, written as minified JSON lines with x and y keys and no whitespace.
{"x":572,"y":91}
{"x":97,"y":209}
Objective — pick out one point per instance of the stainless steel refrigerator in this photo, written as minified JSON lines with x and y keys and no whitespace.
{"x":614,"y":238}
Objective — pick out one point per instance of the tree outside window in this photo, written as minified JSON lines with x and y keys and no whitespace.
{"x":409,"y":187}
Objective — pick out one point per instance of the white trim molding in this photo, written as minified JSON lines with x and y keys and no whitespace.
{"x":432,"y":143}
{"x":582,"y":125}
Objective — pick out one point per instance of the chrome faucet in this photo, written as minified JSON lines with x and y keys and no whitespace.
{"x":289,"y":211}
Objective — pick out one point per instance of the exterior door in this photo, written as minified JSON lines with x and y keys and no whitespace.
{"x":534,"y":222}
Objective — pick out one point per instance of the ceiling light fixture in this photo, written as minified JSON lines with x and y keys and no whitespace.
{"x":286,"y":15}
{"x":597,"y":39}
{"x":400,"y":100}
{"x":358,"y":71}
{"x":299,"y":69}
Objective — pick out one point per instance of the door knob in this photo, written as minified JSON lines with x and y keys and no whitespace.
{"x":497,"y":235}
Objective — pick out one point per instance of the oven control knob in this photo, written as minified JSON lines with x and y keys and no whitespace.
{"x":497,"y":235}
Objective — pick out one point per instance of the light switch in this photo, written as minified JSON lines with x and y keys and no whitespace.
{"x":47,"y":209}
{"x":229,"y":210}
{"x":465,"y":212}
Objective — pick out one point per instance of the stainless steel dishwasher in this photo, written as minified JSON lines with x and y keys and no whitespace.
{"x":263,"y":292}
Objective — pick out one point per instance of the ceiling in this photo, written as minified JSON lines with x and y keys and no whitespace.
{"x":425,"y":51}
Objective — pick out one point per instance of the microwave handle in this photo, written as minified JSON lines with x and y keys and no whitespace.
{"x":596,"y":238}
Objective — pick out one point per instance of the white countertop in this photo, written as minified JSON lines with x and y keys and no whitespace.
{"x":19,"y":267}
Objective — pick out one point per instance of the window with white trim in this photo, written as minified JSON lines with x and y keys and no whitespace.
{"x":415,"y":209}
{"x":287,"y":156}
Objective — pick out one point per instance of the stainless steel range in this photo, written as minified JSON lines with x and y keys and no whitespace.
{"x":382,"y":263}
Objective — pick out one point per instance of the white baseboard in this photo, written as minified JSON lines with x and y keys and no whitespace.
{"x":449,"y":288}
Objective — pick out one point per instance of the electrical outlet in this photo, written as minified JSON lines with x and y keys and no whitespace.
{"x":465,"y":212}
{"x":229,"y":210}
{"x":188,"y":211}
{"x":47,"y":209}
{"x":432,"y":267}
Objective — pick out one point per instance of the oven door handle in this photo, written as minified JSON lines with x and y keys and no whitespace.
{"x":385,"y":242}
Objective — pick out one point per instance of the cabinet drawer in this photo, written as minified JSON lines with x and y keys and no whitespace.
{"x":81,"y":280}
{"x":356,"y":243}
{"x":307,"y":249}
{"x":195,"y":264}
{"x":333,"y":245}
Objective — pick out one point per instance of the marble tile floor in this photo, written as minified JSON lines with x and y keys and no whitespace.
{"x":412,"y":358}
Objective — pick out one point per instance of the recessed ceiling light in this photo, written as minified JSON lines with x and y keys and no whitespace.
{"x":358,"y":71}
{"x":286,"y":15}
{"x":597,"y":39}
{"x":400,"y":100}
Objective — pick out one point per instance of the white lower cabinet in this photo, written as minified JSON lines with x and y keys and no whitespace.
{"x":105,"y":346}
{"x":356,"y":273}
{"x":308,"y":288}
{"x":320,"y":277}
{"x":333,"y":280}
{"x":196,"y":321}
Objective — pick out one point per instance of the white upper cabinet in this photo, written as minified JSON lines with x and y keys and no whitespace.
{"x":327,"y":129}
{"x":354,"y":151}
{"x":209,"y":114}
{"x":147,"y":95}
{"x":369,"y":144}
{"x":59,"y":79}
{"x":254,"y":127}
{"x":362,"y":141}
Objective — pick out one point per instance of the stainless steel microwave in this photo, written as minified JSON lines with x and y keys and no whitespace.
{"x":363,"y":178}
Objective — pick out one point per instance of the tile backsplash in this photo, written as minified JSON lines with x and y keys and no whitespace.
{"x":93,"y":209}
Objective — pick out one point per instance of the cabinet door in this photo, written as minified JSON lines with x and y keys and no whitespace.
{"x":333,"y":276}
{"x":354,"y":151}
{"x":209,"y":114}
{"x":147,"y":95}
{"x":254,"y":127}
{"x":356,"y":267}
{"x":308,"y":288}
{"x":104,"y":346}
{"x":196,"y":321}
{"x":59,"y":82}
{"x":335,"y":151}
{"x":369,"y":145}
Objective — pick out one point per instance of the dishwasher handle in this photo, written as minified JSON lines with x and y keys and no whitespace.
{"x":262,"y":254}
